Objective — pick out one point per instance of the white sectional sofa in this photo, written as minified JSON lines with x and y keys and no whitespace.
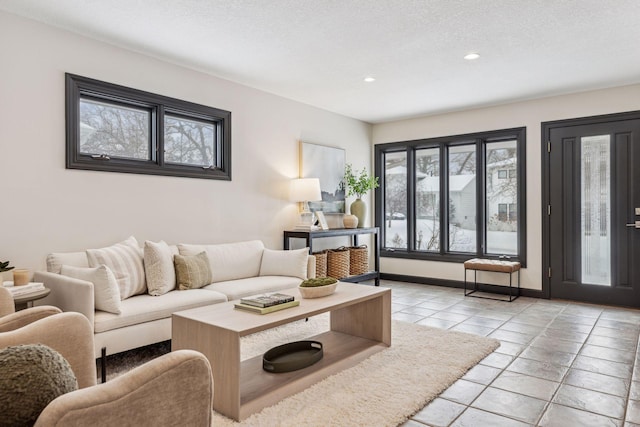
{"x":236,"y":270}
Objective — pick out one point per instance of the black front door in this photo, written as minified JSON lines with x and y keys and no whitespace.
{"x":592,"y":224}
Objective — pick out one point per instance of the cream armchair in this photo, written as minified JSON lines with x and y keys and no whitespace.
{"x":173,"y":390}
{"x":69,"y":334}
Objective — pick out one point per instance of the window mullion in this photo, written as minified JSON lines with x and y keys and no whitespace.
{"x":378,"y":193}
{"x":157,"y":138}
{"x":521,"y":172}
{"x":411,"y":199}
{"x":481,"y":197}
{"x":444,"y":199}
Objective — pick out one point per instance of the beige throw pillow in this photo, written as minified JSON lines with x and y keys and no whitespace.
{"x":285,"y":263}
{"x":158,"y":267}
{"x":126,"y":261}
{"x":105,"y":287}
{"x":192,"y":271}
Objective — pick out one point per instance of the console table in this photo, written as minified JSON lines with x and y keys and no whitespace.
{"x":353,"y":233}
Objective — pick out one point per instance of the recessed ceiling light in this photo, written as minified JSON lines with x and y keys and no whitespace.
{"x":369,"y":79}
{"x":471,"y":56}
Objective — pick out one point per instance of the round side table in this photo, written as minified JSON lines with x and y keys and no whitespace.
{"x":24,"y":301}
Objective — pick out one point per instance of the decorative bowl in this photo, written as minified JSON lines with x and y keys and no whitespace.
{"x":317,"y":291}
{"x":292,"y":356}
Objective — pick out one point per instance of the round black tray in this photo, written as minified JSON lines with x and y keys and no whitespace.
{"x":292,"y":356}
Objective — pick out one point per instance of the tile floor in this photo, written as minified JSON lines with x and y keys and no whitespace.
{"x":560,"y":363}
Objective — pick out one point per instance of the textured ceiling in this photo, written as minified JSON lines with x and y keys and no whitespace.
{"x":319,"y":51}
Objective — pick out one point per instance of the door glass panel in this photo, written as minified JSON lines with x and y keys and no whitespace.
{"x":462,"y":198}
{"x":427,"y":200}
{"x":595,"y":195}
{"x":395,"y":200}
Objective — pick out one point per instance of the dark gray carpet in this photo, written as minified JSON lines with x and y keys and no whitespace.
{"x":118,"y":364}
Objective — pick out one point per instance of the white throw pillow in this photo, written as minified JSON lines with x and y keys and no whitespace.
{"x":158,"y":267}
{"x":105,"y":287}
{"x":126,"y":261}
{"x":285,"y":263}
{"x":229,"y":261}
{"x":56,"y":260}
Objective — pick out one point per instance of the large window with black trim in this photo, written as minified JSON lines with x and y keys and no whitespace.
{"x":118,"y":129}
{"x":453,"y":198}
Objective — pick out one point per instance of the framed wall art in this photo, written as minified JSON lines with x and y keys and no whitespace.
{"x":326,"y":164}
{"x":322,"y":221}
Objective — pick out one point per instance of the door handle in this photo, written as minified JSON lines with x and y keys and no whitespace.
{"x":634,"y":225}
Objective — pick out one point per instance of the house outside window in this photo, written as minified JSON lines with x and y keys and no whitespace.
{"x":507,"y":212}
{"x":503,"y":213}
{"x":462,"y":184}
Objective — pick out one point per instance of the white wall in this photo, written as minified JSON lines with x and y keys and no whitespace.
{"x":45,"y":207}
{"x":529,"y":114}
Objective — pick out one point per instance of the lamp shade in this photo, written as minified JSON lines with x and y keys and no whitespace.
{"x":305,"y":190}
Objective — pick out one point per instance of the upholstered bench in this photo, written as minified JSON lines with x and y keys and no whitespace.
{"x":496,"y":266}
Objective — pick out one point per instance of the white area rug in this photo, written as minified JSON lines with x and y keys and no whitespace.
{"x":383,"y":390}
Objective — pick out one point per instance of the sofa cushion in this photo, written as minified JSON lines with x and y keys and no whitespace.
{"x":192,"y":271}
{"x":106,"y":293}
{"x":236,"y":289}
{"x":158,"y":267}
{"x":147,"y":308}
{"x":230,"y":261}
{"x":285,"y":263}
{"x":126,"y":261}
{"x":56,"y":260}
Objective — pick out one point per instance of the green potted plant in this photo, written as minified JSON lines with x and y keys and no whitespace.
{"x":358,"y":184}
{"x":318,"y":287}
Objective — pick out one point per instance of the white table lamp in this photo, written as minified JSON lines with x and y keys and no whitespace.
{"x":305,"y":190}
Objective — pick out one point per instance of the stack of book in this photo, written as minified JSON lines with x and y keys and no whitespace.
{"x":266,"y":303}
{"x":301,"y":227}
{"x":18,"y":291}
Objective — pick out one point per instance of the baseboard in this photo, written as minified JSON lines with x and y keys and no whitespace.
{"x":485,"y":287}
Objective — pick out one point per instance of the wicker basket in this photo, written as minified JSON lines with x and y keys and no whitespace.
{"x":358,"y":260}
{"x":338,"y":261}
{"x":321,"y":263}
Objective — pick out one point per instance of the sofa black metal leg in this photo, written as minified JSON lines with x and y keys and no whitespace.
{"x":103,"y":364}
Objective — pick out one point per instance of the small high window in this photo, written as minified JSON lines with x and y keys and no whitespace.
{"x":119,"y":129}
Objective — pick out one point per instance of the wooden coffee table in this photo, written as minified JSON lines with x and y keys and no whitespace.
{"x":360,"y":327}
